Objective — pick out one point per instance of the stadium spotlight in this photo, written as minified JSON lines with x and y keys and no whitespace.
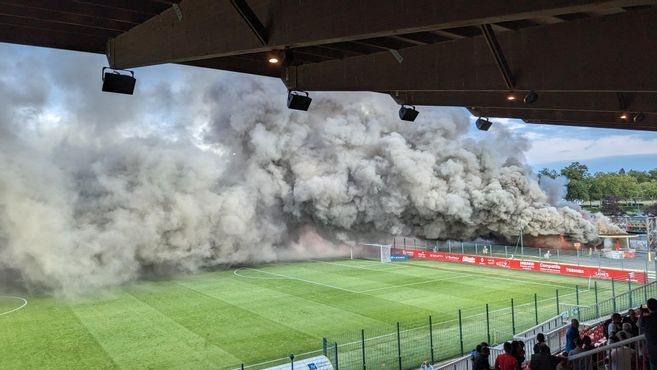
{"x":511,"y":97}
{"x":117,"y":82}
{"x":297,"y":101}
{"x":639,"y":117}
{"x":531,"y":97}
{"x":408,"y":113}
{"x":623,"y":116}
{"x":483,"y":124}
{"x":275,"y":57}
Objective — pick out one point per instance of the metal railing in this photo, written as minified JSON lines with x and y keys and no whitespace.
{"x":547,"y":325}
{"x":460,"y":363}
{"x":624,"y":355}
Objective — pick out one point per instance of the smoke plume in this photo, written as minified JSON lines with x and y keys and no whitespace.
{"x":217,"y":171}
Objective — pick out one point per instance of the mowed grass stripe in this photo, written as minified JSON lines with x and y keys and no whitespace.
{"x":297,"y":313}
{"x":371,"y":306}
{"x":46,"y":334}
{"x":273,"y":300}
{"x":136,"y":335}
{"x":440,"y":290}
{"x":234,"y":328}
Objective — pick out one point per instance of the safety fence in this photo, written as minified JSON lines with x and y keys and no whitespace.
{"x":616,"y":303}
{"x":405,"y":345}
{"x":636,"y":260}
{"x":626,"y":354}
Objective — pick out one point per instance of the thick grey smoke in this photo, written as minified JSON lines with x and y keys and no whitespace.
{"x":556,"y":190}
{"x":218,"y":171}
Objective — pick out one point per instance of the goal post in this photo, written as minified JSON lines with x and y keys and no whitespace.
{"x":374,"y":252}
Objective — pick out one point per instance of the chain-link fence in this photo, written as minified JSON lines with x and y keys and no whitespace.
{"x":405,"y":345}
{"x":635,"y":260}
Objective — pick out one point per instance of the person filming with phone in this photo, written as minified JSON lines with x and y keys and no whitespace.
{"x":648,"y":327}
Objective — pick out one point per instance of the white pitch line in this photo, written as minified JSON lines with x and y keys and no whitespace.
{"x":17,"y":308}
{"x":409,"y":284}
{"x":564,"y":285}
{"x":235,"y":272}
{"x":297,"y":355}
{"x":306,"y":281}
{"x":364,"y":268}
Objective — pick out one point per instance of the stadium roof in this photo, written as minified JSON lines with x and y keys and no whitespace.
{"x":590,"y":62}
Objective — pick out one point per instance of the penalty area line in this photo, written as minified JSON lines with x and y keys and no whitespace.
{"x":306,"y":281}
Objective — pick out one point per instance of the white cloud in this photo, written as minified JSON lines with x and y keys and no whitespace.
{"x":554,"y":149}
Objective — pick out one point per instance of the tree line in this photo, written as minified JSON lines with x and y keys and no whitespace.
{"x":606,"y":187}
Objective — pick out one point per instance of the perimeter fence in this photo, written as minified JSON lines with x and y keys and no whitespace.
{"x":639,"y":260}
{"x":406,"y":344}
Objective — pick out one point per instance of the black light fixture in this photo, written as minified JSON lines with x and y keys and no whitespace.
{"x":408,"y":113}
{"x":638,"y":117}
{"x":298,"y":101}
{"x":531,"y":97}
{"x":483,"y":124}
{"x":118,"y":81}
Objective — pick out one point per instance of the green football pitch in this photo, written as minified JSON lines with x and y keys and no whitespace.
{"x":250,"y":315}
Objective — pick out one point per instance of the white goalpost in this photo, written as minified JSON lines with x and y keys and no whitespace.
{"x":375,"y":252}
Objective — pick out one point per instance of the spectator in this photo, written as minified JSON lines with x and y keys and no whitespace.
{"x":573,"y":332}
{"x":627,"y":329}
{"x":477,"y":351}
{"x":648,"y":326}
{"x":426,"y":366}
{"x":579,"y":364}
{"x":587,"y":344}
{"x":616,"y":323}
{"x":481,"y":362}
{"x":563,"y":363}
{"x":620,"y":358}
{"x":632,"y":319}
{"x":613,"y":335}
{"x":577,"y":344}
{"x":506,"y":361}
{"x":518,"y":351}
{"x":540,"y":339}
{"x":543,"y":360}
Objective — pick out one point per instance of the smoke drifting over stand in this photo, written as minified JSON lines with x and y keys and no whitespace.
{"x":205,"y":172}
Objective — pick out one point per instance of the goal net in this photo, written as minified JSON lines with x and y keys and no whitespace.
{"x":375,"y":252}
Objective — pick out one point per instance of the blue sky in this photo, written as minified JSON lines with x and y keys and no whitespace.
{"x":549,"y":146}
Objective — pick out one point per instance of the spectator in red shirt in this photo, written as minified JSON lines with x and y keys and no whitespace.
{"x":506,"y":361}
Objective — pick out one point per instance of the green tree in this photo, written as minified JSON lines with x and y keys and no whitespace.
{"x":548,"y":173}
{"x":578,"y":190}
{"x":648,"y":190}
{"x":621,"y":172}
{"x":575,"y":171}
{"x":640,"y":176}
{"x":653,"y":174}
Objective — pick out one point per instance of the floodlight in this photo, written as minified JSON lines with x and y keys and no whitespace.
{"x":531,"y":97}
{"x":297,"y":101}
{"x":117,"y":81}
{"x":408,"y":113}
{"x":639,"y":117}
{"x":483,"y":124}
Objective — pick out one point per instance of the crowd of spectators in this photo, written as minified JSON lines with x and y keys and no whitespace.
{"x":617,"y":328}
